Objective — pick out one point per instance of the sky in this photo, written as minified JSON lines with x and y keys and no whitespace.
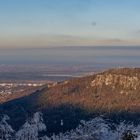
{"x":48,"y":23}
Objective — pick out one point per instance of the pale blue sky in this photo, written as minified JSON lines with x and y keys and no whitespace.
{"x":40,"y":23}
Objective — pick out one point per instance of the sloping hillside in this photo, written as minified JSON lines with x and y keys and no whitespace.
{"x":116,"y":89}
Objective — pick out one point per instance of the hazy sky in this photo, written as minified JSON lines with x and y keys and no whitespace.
{"x":40,"y":23}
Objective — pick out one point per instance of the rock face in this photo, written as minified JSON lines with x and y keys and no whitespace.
{"x":121,"y":86}
{"x":117,"y":82}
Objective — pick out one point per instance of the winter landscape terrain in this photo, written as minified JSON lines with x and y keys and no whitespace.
{"x":102,"y":106}
{"x":69,"y":69}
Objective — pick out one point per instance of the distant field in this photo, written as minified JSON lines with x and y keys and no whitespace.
{"x":44,"y":72}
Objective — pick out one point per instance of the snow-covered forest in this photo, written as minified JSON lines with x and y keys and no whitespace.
{"x":95,"y":129}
